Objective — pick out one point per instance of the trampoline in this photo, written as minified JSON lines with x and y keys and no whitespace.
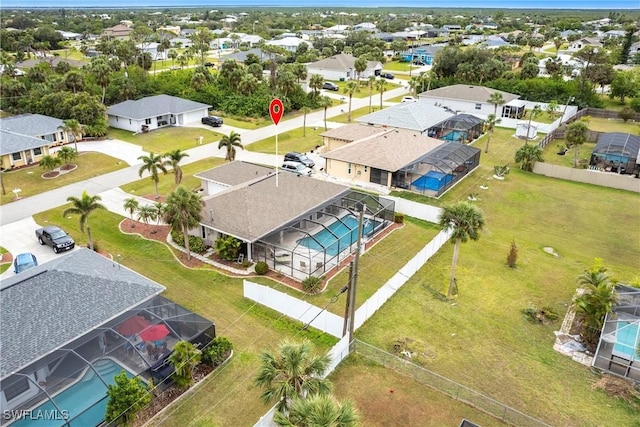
{"x":432,"y":181}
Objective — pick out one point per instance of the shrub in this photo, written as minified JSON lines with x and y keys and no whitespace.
{"x":245,"y":263}
{"x":217,"y":351}
{"x":312,"y":284}
{"x":512,"y":257}
{"x":196,"y":244}
{"x":227,"y":247}
{"x":261,"y":268}
{"x":626,"y":114}
{"x":635,"y":104}
{"x":126,"y":396}
{"x":398,"y":218}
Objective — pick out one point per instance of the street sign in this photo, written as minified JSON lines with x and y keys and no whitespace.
{"x":276,"y":110}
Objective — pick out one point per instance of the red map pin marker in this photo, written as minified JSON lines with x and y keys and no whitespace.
{"x":276,"y":110}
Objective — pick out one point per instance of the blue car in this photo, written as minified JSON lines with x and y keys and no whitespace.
{"x":24,"y":262}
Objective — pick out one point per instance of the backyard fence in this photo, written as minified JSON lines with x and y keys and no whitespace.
{"x":447,"y":386}
{"x":605,"y":179}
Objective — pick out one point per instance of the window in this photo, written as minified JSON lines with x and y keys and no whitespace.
{"x":37,"y":151}
{"x":366,"y":168}
{"x":16,"y":156}
{"x":147,"y":121}
{"x":478,"y":106}
{"x":349,"y":169}
{"x":159,"y":118}
{"x":15,"y":389}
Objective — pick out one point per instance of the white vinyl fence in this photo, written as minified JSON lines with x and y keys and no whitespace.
{"x":416,"y":209}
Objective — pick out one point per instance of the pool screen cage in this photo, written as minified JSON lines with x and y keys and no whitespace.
{"x":618,"y":351}
{"x":71,"y":381}
{"x":313,"y":244}
{"x":438,"y":170}
{"x":617,"y":152}
{"x":461,"y":128}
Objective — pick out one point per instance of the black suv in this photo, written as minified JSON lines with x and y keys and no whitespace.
{"x":214,"y":121}
{"x":330,"y":86}
{"x":388,"y":76}
{"x":300,"y":158}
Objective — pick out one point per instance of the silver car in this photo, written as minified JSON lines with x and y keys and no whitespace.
{"x":296,"y":167}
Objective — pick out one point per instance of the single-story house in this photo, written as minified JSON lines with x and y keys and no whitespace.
{"x":298,"y":225}
{"x":617,"y":151}
{"x":241,"y":56}
{"x":425,"y":54}
{"x":26,"y":138}
{"x":154,"y":112}
{"x":404,"y":159}
{"x":117,"y":32}
{"x":71,"y":324}
{"x":290,"y":44}
{"x":474,"y":100}
{"x":634,"y":49}
{"x":343,"y":135}
{"x":155,"y":50}
{"x":342,"y":67}
{"x":617,"y":352}
{"x":584,"y":42}
{"x":415,"y":116}
{"x":53,"y":61}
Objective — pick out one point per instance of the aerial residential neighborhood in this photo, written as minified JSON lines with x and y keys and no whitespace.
{"x":328,"y":216}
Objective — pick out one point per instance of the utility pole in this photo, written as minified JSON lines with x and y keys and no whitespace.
{"x":347,"y":307}
{"x":353,"y":282}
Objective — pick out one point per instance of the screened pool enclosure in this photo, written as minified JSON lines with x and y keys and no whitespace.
{"x":70,"y":383}
{"x":315,"y":243}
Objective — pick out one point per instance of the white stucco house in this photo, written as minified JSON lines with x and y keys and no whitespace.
{"x":474,"y":100}
{"x":290,"y":44}
{"x":342,"y":67}
{"x":154,"y":112}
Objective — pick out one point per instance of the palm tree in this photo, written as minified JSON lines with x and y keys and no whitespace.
{"x":371,"y":82}
{"x":381,"y":85}
{"x":84,"y":206}
{"x":248,"y":84}
{"x":131,"y":205}
{"x":49,"y":162}
{"x":465,"y":220}
{"x":532,"y":115}
{"x":101,"y":69}
{"x":489,"y":124}
{"x":173,"y":159}
{"x":230,"y":142}
{"x":291,"y":372}
{"x":152,"y":164}
{"x":146,"y":213}
{"x":315,"y":82}
{"x":326,"y":102}
{"x":360,"y":65}
{"x":160,"y":209}
{"x":184,"y":358}
{"x":576,"y":135}
{"x":183,"y":210}
{"x":72,"y":128}
{"x":496,"y":99}
{"x":350,"y":88}
{"x":305,"y":110}
{"x":527,"y":155}
{"x":66,"y":154}
{"x":318,"y":410}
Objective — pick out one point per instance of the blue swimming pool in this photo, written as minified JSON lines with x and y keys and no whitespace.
{"x":433,"y":181}
{"x":85,"y":401}
{"x":455,"y":135}
{"x":342,"y":234}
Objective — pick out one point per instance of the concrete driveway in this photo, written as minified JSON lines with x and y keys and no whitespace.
{"x":124,"y":151}
{"x":20,"y":237}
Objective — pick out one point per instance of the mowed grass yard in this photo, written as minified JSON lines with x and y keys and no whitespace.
{"x":167,"y":139}
{"x":31,"y":182}
{"x":481,"y":339}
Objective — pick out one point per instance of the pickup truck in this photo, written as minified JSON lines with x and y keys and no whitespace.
{"x":55,"y":237}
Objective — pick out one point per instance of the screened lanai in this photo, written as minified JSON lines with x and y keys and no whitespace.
{"x":316,"y":242}
{"x":462,"y":128}
{"x":617,"y":152}
{"x":618,"y":351}
{"x":439,"y":170}
{"x":72,"y":380}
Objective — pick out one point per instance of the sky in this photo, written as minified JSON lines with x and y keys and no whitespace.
{"x":480,"y":4}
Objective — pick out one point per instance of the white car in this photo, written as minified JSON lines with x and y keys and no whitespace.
{"x":296,"y":167}
{"x":408,"y":99}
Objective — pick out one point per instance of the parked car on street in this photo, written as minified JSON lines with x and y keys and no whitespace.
{"x":24,"y":262}
{"x":387,"y":76}
{"x":214,"y":121}
{"x":330,"y":86}
{"x":55,"y":237}
{"x":297,"y":168}
{"x":408,"y":99}
{"x":294,"y":156}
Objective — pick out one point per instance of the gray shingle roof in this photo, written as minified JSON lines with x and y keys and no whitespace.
{"x":390,"y":151}
{"x":154,"y":106}
{"x":352,"y":132}
{"x":31,"y":124}
{"x":468,"y":93}
{"x":252,"y":210}
{"x":234,"y":173}
{"x":340,"y":62}
{"x":418,"y":116}
{"x":50,"y":305}
{"x":13,"y":142}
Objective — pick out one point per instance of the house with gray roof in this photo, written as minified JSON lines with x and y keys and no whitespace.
{"x":342,"y":67}
{"x":464,"y":98}
{"x":298,"y":225}
{"x":154,"y":112}
{"x":415,"y":116}
{"x":338,"y":137}
{"x":71,"y":324}
{"x":26,"y":138}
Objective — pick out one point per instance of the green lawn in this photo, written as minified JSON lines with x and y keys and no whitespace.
{"x":30,"y":180}
{"x":290,"y":141}
{"x":613,"y":125}
{"x":166,"y":139}
{"x":342,"y":118}
{"x":550,"y":153}
{"x":244,"y":123}
{"x":394,"y":66}
{"x":613,"y":104}
{"x":482,"y":334}
{"x":145,"y":185}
